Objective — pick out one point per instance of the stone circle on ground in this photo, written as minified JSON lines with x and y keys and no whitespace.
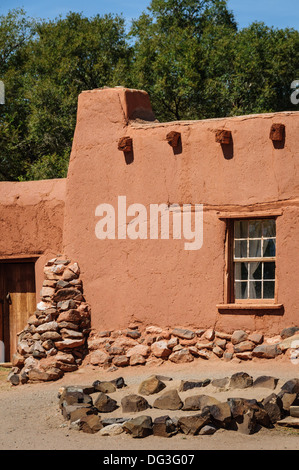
{"x":87,"y":409}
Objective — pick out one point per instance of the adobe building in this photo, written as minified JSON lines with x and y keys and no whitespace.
{"x":230,"y":183}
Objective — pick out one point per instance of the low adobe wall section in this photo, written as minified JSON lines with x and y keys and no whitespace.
{"x":31,"y":221}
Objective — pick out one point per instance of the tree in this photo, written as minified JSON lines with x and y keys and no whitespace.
{"x":265,"y":64}
{"x":61,"y":58}
{"x":169,"y":60}
{"x":15,"y":32}
{"x":195,"y":64}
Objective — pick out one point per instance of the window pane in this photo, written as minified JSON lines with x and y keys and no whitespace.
{"x":241,"y":290}
{"x":241,"y":271}
{"x":269,"y":248}
{"x":269,"y":228}
{"x":255,"y":248}
{"x":255,"y":229}
{"x":255,"y":289}
{"x":269,"y":270}
{"x":240,"y":248}
{"x":241,"y":229}
{"x":255,"y":271}
{"x":269,"y":288}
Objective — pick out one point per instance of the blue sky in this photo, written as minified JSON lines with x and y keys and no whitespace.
{"x":275,"y":13}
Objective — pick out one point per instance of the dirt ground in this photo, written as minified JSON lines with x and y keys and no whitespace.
{"x":30,"y":418}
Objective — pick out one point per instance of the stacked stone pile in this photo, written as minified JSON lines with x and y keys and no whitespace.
{"x":54,"y":339}
{"x":89,"y":408}
{"x":154,"y":345}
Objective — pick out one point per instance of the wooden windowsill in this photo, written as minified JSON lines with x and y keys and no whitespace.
{"x":250,"y":214}
{"x":248,"y":307}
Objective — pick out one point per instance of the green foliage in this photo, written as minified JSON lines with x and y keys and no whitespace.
{"x":187,"y":54}
{"x":49,"y":64}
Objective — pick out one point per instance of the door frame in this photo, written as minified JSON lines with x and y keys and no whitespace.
{"x":5,"y":328}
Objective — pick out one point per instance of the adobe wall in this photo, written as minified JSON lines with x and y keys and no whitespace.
{"x":31,"y":221}
{"x":157,"y":282}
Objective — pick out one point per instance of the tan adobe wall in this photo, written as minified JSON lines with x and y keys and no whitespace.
{"x":157,"y":282}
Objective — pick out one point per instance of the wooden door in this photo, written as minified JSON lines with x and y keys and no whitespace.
{"x":17,"y":299}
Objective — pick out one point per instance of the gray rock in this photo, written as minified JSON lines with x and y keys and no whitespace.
{"x":134,"y":403}
{"x":67,"y":294}
{"x":13,"y":378}
{"x":163,"y":426}
{"x":227,"y":356}
{"x":265,"y":381}
{"x":288,"y":400}
{"x":90,"y":424}
{"x":133,"y":334}
{"x":208,"y":430}
{"x":287,"y":332}
{"x":221,"y":414}
{"x":240,"y":380}
{"x":139,"y":427}
{"x":240,"y":406}
{"x":273,"y":406}
{"x":109,"y":421}
{"x":76,"y":411}
{"x":291,"y":386}
{"x":104,"y":403}
{"x":183,"y":333}
{"x":221,"y":384}
{"x":198,"y":402}
{"x":151,"y":386}
{"x":266,"y":351}
{"x":72,"y":397}
{"x":119,"y":382}
{"x":194,"y":423}
{"x":169,"y":400}
{"x":104,"y":387}
{"x":246,"y":423}
{"x":190,"y":384}
{"x":238,"y":336}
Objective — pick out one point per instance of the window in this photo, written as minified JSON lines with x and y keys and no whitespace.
{"x":254,"y":251}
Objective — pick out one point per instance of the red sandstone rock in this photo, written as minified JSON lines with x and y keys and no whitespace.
{"x":257,"y":338}
{"x":72,"y":316}
{"x":153,"y":330}
{"x":139,"y":349}
{"x":69,"y":343}
{"x":98,"y":357}
{"x":160,"y":349}
{"x":137,"y":359}
{"x":69,"y":275}
{"x":188,"y":342}
{"x":37,"y":375}
{"x":244,"y":346}
{"x":181,"y":356}
{"x":209,"y":334}
{"x":172,"y":342}
{"x":121,"y":361}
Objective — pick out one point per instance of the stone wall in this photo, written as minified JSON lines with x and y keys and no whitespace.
{"x":54,"y":339}
{"x":153,"y":345}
